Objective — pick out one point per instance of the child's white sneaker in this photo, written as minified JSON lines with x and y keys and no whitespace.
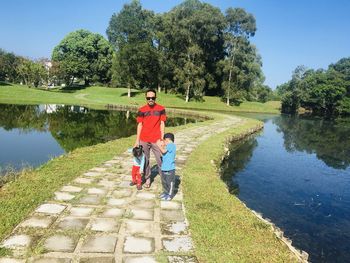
{"x":166,"y":197}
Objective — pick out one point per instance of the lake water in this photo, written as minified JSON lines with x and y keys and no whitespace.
{"x":30,"y":135}
{"x":297,"y":173}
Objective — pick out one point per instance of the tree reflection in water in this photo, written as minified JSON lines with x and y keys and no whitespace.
{"x":74,"y":126}
{"x":328,"y":139}
{"x":240,"y":155}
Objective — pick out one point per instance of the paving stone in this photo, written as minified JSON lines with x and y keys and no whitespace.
{"x":82,"y":180}
{"x":148,"y":204}
{"x":96,"y":191}
{"x":73,"y":223}
{"x":99,"y":169}
{"x":145,"y":195}
{"x":177,"y":244}
{"x":112,"y":162}
{"x":52,"y":260}
{"x":90,"y":200}
{"x":50,"y":209}
{"x":141,"y":259}
{"x":17,"y":241}
{"x":97,"y":260}
{"x":139,"y":227}
{"x":142,"y":214}
{"x":182,"y":259}
{"x":170,"y":205}
{"x":174,"y":228}
{"x":62,"y":196}
{"x":138,"y":245}
{"x":116,"y":202}
{"x":81,"y":211}
{"x":124,"y":184}
{"x":71,"y":188}
{"x":60,"y":243}
{"x":107,"y":183}
{"x":104,"y":225}
{"x":36,"y":221}
{"x":92,"y":174}
{"x":122,"y":193}
{"x":11,"y":260}
{"x":99,"y":244}
{"x":113,"y":212}
{"x":172,"y":215}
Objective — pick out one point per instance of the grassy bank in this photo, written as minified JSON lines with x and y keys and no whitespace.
{"x":32,"y":187}
{"x":98,"y":97}
{"x":223,"y":229}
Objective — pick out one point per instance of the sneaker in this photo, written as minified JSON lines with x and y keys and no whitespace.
{"x":166,"y":198}
{"x":139,"y":187}
{"x":132,"y":184}
{"x":162,"y":195}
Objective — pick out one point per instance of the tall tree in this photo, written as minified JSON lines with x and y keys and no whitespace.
{"x":85,"y":55}
{"x":193,"y":23}
{"x":241,"y":65}
{"x":190,"y":75}
{"x":131,"y":32}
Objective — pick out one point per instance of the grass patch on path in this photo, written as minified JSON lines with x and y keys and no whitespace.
{"x":98,"y":97}
{"x":222,"y":228}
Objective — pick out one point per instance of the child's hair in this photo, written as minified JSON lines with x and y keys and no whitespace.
{"x":137,"y":151}
{"x":170,"y":136}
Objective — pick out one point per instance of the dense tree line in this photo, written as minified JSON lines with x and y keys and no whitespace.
{"x":323,"y":92}
{"x":18,"y":69}
{"x":192,"y":50}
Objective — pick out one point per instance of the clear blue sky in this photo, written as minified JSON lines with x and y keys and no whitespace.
{"x":313,"y":33}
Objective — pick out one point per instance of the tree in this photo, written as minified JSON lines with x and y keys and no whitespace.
{"x":189,"y":24}
{"x":8,"y":66}
{"x":32,"y":73}
{"x":85,"y":55}
{"x":190,"y":72}
{"x":241,"y":65}
{"x":241,"y":69}
{"x":292,"y":95}
{"x":131,"y":32}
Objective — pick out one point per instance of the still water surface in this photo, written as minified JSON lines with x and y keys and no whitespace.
{"x":297,"y":173}
{"x":32,"y":134}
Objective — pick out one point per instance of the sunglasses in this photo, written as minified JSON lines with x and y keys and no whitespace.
{"x":151,"y":98}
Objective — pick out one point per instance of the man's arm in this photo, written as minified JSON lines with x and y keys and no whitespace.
{"x":162,"y":127}
{"x":139,"y":128}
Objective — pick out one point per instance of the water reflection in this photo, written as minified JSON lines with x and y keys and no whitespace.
{"x":235,"y":163}
{"x":329,"y":140}
{"x":58,"y":128}
{"x":296,"y":172}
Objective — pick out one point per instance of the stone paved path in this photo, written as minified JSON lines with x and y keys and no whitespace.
{"x":99,"y":218}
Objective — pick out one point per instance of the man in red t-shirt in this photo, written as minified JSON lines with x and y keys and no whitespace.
{"x":150,"y":128}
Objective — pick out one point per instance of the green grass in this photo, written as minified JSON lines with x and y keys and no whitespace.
{"x":223,"y":229}
{"x":30,"y":188}
{"x":98,"y":97}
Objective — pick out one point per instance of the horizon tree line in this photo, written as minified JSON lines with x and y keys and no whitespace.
{"x":192,"y":50}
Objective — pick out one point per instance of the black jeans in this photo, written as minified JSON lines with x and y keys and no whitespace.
{"x":168,"y":182}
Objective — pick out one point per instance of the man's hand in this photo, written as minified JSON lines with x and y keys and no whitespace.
{"x":160,"y":143}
